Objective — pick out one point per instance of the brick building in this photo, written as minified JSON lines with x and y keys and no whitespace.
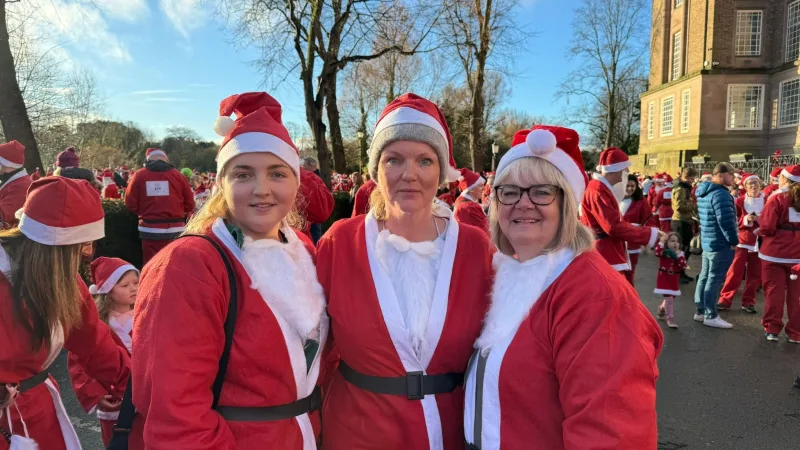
{"x":724,"y":79}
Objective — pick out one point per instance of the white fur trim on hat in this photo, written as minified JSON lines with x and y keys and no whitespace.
{"x":112,"y":280}
{"x":258,"y":142}
{"x":224,"y":125}
{"x":405,"y":115}
{"x":616,"y":167}
{"x":538,"y":145}
{"x":156,"y":153}
{"x":477,"y":183}
{"x":789,"y":175}
{"x":751,"y":176}
{"x":47,"y":235}
{"x":6,"y":163}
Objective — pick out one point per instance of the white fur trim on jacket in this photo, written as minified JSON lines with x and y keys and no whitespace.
{"x":667,"y":292}
{"x":47,"y":235}
{"x":22,"y":173}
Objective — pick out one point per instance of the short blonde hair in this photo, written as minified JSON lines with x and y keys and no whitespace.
{"x":527,"y":172}
{"x":216,"y":207}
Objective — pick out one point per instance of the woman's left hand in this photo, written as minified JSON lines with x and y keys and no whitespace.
{"x":8,"y":392}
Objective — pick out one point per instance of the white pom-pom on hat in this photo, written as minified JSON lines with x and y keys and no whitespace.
{"x":93,"y":289}
{"x":541,"y":142}
{"x":793,"y":276}
{"x":224,"y":125}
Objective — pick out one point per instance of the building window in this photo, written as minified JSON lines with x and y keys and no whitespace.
{"x":667,"y":105}
{"x":745,"y":104}
{"x":789,"y":103}
{"x":748,"y":33}
{"x":676,"y":56}
{"x":651,"y":113}
{"x":685,"y":98}
{"x":793,"y":31}
{"x":678,"y":3}
{"x":652,"y":160}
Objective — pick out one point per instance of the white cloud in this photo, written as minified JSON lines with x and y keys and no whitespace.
{"x":168,"y":99}
{"x":127,"y":10}
{"x":185,"y":15}
{"x":156,"y":92}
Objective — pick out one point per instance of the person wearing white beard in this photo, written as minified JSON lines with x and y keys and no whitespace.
{"x":270,"y":394}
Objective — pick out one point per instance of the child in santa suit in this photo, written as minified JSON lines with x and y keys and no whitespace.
{"x":115,"y":285}
{"x":748,"y":209}
{"x":671,"y":261}
{"x":779,"y":250}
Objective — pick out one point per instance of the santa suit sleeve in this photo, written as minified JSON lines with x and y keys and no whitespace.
{"x":360,"y":202}
{"x":88,"y":391}
{"x":174,"y":364}
{"x":132,"y":195}
{"x":610,"y":221}
{"x":188,"y":196}
{"x":598,"y":340}
{"x":644,"y":214}
{"x":330,"y":355}
{"x":13,"y":200}
{"x":471,"y":213}
{"x":770,"y":217}
{"x":94,"y":348}
{"x":317,"y":199}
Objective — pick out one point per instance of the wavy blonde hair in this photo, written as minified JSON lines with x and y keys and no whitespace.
{"x":527,"y":172}
{"x":216,"y":207}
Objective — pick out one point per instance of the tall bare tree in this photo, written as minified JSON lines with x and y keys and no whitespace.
{"x":13,"y":113}
{"x":610,"y":42}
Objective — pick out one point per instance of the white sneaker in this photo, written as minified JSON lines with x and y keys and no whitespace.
{"x":699,"y":317}
{"x":717,"y":322}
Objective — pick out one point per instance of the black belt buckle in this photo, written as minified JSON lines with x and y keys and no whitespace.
{"x":414,"y":385}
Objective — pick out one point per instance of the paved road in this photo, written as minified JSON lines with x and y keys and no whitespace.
{"x":719,"y":389}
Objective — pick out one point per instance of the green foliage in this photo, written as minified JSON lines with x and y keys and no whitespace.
{"x":122,"y":234}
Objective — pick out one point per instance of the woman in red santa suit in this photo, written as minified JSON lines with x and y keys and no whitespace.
{"x":44,"y":306}
{"x":407,"y":288}
{"x":567,"y":355}
{"x":779,"y":250}
{"x":774,"y":179}
{"x":635,"y":211}
{"x":663,"y":204}
{"x":467,"y":209}
{"x":269,"y":389}
{"x":748,"y":210}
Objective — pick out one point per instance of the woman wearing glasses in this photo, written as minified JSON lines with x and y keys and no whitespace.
{"x":567,"y":355}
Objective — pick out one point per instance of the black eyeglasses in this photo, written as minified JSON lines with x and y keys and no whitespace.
{"x":540,"y":194}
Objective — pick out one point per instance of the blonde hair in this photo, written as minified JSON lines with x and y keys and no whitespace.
{"x":216,"y":207}
{"x":44,"y":291}
{"x":526,"y":172}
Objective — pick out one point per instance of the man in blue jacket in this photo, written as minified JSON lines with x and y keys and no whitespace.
{"x":719,"y":235}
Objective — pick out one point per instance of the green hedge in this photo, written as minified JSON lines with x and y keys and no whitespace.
{"x":342,"y":209}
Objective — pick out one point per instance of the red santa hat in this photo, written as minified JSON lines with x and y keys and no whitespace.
{"x":792,"y":173}
{"x":123,"y":168}
{"x":667,"y":178}
{"x":106,"y":272}
{"x":151,"y":152}
{"x":413,"y":118}
{"x":107,"y":177}
{"x":62,"y":211}
{"x":776,"y":172}
{"x":68,"y":158}
{"x":12,"y":155}
{"x":749,"y":176}
{"x":469,"y":180}
{"x":258,"y":128}
{"x":557,"y":145}
{"x":613,"y":159}
{"x":660,"y":177}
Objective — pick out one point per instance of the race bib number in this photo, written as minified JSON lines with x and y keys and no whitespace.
{"x":668,"y":195}
{"x":794,"y":215}
{"x":157,"y":188}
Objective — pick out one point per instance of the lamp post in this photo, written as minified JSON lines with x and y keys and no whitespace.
{"x":362,"y":148}
{"x":495,"y":151}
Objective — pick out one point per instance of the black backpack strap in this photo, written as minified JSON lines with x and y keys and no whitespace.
{"x":127,"y":412}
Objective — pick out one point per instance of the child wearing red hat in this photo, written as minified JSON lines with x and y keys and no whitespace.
{"x":116,"y":283}
{"x":671,"y":262}
{"x":467,"y":209}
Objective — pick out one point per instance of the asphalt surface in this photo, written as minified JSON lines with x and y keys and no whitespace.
{"x":718,"y":389}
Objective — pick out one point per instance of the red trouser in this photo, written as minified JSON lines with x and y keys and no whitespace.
{"x":742,"y":258}
{"x":631,"y":274}
{"x":665,"y":225}
{"x":150,"y":248}
{"x":779,"y":289}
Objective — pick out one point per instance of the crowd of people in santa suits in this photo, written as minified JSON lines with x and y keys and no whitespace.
{"x":408,"y":325}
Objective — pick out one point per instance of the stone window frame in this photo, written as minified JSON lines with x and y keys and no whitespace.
{"x":746,"y":13}
{"x":781,"y":99}
{"x":759,"y":112}
{"x":686,"y":98}
{"x":667,"y":117}
{"x":677,"y":49}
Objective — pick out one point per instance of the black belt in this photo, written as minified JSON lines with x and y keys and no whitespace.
{"x":789,"y":228}
{"x":415,"y":385}
{"x":599,"y":235}
{"x":30,"y":383}
{"x":272,"y":413}
{"x":158,"y":221}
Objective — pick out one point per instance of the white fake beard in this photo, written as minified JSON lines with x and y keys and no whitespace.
{"x":409,"y":267}
{"x":286,"y":278}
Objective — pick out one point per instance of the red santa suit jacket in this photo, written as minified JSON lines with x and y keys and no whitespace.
{"x":669,"y":272}
{"x":636,"y":213}
{"x":768,"y":190}
{"x":470,"y":212}
{"x":41,"y":407}
{"x":314,"y":201}
{"x":162,"y":199}
{"x":600,"y":212}
{"x":361,"y":201}
{"x":563,"y":372}
{"x":12,"y":197}
{"x":178,"y":338}
{"x":111,"y":192}
{"x":447,"y":197}
{"x":369,"y":334}
{"x":779,"y":224}
{"x":744,"y":207}
{"x":663,"y":204}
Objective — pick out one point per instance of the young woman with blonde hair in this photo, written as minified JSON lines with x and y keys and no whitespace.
{"x":269,"y":389}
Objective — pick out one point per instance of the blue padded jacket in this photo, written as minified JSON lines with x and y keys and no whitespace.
{"x":717,"y":211}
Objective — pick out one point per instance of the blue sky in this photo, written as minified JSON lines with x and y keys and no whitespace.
{"x":162,"y":63}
